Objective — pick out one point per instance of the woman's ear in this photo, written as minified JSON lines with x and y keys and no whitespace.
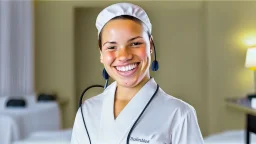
{"x":151,"y":44}
{"x":101,"y":57}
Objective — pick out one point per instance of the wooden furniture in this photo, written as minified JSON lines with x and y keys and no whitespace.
{"x":244,"y":105}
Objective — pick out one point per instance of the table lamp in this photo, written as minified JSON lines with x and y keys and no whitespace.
{"x":251,"y":64}
{"x":251,"y":58}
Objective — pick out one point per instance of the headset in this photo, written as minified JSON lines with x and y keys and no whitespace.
{"x":155,"y":67}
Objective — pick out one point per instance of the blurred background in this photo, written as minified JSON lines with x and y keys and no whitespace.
{"x":49,"y":54}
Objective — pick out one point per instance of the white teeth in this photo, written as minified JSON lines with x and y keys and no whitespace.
{"x":127,"y":68}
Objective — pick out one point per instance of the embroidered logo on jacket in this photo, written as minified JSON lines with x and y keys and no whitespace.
{"x":139,"y":140}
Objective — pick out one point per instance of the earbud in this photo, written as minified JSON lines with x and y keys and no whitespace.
{"x":106,"y":77}
{"x":155,"y":65}
{"x":105,"y":74}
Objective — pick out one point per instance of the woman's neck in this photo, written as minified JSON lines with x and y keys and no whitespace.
{"x":127,"y":93}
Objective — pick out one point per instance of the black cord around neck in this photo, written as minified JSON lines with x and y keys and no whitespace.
{"x":129,"y":134}
{"x":81,"y":107}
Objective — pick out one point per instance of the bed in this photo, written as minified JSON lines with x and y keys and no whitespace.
{"x":230,"y":137}
{"x":48,"y":137}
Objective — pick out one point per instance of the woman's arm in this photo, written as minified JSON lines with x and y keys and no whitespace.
{"x":73,"y":138}
{"x":79,"y":135}
{"x":75,"y":129}
{"x":187,"y":131}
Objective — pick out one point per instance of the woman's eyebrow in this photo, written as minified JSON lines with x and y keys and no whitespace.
{"x":134,"y":38}
{"x":111,"y":42}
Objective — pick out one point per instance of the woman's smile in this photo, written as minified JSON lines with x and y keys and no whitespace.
{"x":127,"y":70}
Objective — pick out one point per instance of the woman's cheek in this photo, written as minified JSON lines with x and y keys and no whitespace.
{"x":109,"y":57}
{"x":143,"y":54}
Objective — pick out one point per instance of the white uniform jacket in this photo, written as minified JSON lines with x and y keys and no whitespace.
{"x":167,"y":120}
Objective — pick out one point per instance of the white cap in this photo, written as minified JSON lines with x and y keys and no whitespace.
{"x":119,"y":9}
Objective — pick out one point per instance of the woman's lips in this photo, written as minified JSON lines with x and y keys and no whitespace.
{"x":127,"y":70}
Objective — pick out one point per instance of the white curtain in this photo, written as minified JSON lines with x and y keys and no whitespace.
{"x":16,"y":48}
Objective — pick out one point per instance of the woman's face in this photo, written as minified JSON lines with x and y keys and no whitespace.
{"x":125,"y":53}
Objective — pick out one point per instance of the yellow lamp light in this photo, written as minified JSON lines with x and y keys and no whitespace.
{"x":250,"y":41}
{"x":251,"y":58}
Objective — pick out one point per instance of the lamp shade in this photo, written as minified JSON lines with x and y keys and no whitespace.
{"x":251,"y":58}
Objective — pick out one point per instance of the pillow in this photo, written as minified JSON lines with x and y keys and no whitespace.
{"x":46,"y":97}
{"x":16,"y":102}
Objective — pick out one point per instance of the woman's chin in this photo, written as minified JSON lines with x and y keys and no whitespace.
{"x":128,"y":82}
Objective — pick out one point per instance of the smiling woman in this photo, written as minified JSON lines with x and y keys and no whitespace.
{"x":126,"y":54}
{"x":133,"y":109}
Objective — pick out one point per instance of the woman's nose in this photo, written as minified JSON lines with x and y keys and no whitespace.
{"x":123,"y":54}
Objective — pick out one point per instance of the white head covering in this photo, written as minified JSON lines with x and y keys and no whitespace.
{"x":119,"y":9}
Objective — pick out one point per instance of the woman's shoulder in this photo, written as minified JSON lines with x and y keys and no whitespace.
{"x":96,"y":100}
{"x":173,"y":104}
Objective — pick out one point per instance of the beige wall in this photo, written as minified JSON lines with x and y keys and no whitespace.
{"x":228,"y":24}
{"x":54,"y":55}
{"x":88,"y":67}
{"x":198,"y":44}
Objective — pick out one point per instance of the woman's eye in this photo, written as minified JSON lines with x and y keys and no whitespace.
{"x":111,"y":47}
{"x":136,"y":43}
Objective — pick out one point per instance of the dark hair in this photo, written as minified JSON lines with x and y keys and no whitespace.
{"x":124,"y":17}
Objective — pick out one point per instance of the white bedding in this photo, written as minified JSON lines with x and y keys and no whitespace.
{"x":8,"y":130}
{"x":229,"y":137}
{"x":39,"y":117}
{"x":50,"y":137}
